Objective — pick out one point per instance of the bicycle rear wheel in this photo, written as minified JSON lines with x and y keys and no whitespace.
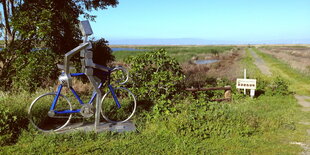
{"x":40,"y":117}
{"x":114,"y":114}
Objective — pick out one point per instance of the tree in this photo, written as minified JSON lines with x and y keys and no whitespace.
{"x":8,"y":10}
{"x":37,"y":24}
{"x":50,"y":22}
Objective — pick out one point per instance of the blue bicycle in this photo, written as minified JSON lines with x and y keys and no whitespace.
{"x":53,"y":111}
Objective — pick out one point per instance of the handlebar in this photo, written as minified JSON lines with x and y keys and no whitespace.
{"x":125,"y":73}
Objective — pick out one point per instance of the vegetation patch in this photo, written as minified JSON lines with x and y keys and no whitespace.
{"x":299,"y":82}
{"x":177,"y":52}
{"x":174,"y":122}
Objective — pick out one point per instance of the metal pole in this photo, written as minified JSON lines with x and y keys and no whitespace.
{"x":98,"y":110}
{"x":98,"y":100}
{"x":244,"y":91}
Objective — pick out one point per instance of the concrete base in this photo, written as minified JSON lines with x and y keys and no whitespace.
{"x":119,"y":127}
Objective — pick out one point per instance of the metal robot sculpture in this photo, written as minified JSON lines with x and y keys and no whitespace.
{"x":87,"y":66}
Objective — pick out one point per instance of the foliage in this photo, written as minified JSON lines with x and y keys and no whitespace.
{"x":8,"y":57}
{"x":155,"y":75}
{"x":6,"y":123}
{"x":214,"y":51}
{"x":6,"y":69}
{"x":34,"y":69}
{"x":102,"y":52}
{"x":278,"y":86}
{"x":13,"y":118}
{"x":25,"y":68}
{"x":177,"y":124}
{"x":51,"y":24}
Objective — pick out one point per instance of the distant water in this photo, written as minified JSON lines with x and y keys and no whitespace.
{"x":201,"y":62}
{"x":126,"y":49}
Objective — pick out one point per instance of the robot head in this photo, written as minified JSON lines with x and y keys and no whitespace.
{"x":85,"y":28}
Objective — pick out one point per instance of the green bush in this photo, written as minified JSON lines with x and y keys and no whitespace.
{"x":278,"y":86}
{"x":12,"y":121}
{"x":155,"y":75}
{"x":13,"y":115}
{"x":102,"y":52}
{"x":6,"y":122}
{"x":34,"y":69}
{"x":271,"y":86}
{"x":262,"y":85}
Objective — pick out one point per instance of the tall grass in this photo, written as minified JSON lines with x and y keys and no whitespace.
{"x":181,"y":53}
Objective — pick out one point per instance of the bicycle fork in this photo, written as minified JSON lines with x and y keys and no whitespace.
{"x":56,"y":97}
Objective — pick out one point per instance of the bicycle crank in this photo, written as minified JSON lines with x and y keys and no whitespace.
{"x":87,"y":110}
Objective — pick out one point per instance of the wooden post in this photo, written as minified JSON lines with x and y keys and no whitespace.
{"x":227,"y":93}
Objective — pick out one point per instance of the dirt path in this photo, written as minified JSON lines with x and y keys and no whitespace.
{"x":304,"y":101}
{"x":260,"y":63}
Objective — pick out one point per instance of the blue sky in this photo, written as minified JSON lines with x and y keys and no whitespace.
{"x":235,"y":21}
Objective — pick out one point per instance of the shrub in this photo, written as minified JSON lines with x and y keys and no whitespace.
{"x":34,"y":69}
{"x":214,"y":52}
{"x":273,"y":86}
{"x":6,"y":121}
{"x":278,"y":86}
{"x":261,"y":86}
{"x":155,"y":75}
{"x":12,"y":121}
{"x":102,"y":52}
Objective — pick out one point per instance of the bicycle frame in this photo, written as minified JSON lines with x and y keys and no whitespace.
{"x":78,"y":97}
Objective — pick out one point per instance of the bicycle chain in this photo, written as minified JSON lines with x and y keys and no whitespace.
{"x":87,"y":111}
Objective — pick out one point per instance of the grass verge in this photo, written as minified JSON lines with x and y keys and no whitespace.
{"x":258,"y":126}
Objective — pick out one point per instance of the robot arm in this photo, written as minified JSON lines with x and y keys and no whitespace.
{"x":71,"y":53}
{"x":86,"y":31}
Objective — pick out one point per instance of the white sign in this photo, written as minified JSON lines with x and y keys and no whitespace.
{"x":246,"y":84}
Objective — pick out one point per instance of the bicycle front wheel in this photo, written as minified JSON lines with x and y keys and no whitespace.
{"x":45,"y":120}
{"x":112,"y":112}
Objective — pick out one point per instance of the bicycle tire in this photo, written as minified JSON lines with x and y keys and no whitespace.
{"x":39,"y":108}
{"x":111,"y":112}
